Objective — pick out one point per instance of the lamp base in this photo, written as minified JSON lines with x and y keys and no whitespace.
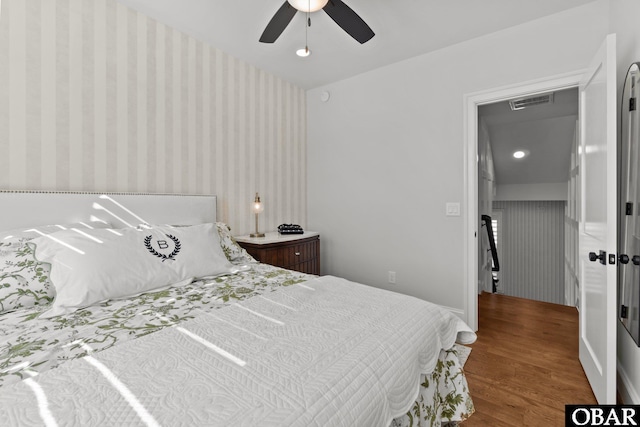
{"x":256,"y":235}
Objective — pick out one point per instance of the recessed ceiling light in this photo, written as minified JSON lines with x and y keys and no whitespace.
{"x":520,"y":154}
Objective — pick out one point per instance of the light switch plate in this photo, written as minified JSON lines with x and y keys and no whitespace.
{"x":453,"y":209}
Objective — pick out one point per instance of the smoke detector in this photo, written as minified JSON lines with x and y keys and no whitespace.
{"x":531,"y":101}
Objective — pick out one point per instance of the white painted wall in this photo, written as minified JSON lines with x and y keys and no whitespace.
{"x":519,"y":192}
{"x":624,"y":22}
{"x":385,"y":153}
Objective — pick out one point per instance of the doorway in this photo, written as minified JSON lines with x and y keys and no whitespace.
{"x":597,"y":214}
{"x":527,"y":145}
{"x":473,"y":228}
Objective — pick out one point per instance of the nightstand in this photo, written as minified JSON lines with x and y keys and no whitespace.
{"x":299,"y":252}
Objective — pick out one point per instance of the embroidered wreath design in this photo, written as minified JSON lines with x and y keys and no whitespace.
{"x":171,"y":256}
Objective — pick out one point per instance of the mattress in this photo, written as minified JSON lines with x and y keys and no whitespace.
{"x":265,"y":346}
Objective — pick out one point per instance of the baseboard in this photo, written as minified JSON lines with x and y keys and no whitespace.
{"x":626,"y":389}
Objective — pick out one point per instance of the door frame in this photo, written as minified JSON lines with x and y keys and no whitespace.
{"x":471,"y":103}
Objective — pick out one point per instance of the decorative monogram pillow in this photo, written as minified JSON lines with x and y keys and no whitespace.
{"x":234,"y":253}
{"x":24,"y":282}
{"x":90,"y":267}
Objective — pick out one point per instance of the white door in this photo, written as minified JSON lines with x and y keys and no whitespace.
{"x":598,"y":223}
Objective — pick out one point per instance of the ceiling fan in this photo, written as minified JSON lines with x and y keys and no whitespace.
{"x":342,"y":14}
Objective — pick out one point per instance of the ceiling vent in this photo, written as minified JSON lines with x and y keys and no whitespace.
{"x":530,"y":101}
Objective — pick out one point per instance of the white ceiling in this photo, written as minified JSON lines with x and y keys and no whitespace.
{"x":545,"y":131}
{"x":404,"y":28}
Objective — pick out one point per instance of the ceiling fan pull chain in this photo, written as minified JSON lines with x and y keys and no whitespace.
{"x":306,"y":33}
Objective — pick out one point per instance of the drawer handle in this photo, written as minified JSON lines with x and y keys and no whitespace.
{"x":297,"y":253}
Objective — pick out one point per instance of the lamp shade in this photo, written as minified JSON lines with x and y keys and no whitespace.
{"x":257,"y":205}
{"x":308,"y":5}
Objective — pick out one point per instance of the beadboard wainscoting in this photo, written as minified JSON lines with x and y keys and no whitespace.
{"x":95,"y":96}
{"x":531,"y":249}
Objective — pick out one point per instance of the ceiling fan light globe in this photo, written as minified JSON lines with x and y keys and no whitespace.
{"x":308,"y":5}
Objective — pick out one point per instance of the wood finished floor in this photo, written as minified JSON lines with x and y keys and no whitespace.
{"x":524,"y":366}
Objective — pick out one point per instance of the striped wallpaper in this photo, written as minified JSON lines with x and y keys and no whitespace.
{"x":95,"y":96}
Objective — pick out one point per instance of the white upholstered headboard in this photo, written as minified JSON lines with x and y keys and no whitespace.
{"x":35,"y":208}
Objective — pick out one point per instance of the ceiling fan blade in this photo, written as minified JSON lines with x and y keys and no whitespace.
{"x":278,"y":23}
{"x":349,"y":21}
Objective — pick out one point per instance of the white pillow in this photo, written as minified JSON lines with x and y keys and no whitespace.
{"x":37,"y":231}
{"x":24,"y":282}
{"x":96,"y":265}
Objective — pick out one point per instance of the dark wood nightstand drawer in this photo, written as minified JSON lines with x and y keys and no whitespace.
{"x":296,"y":254}
{"x":299,"y":252}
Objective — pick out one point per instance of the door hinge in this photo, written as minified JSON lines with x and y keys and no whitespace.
{"x":624,"y":311}
{"x":632,"y":104}
{"x":629,"y":209}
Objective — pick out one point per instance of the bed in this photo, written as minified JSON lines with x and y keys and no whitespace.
{"x":138,"y":309}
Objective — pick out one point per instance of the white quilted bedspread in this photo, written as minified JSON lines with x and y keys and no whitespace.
{"x":327,"y":352}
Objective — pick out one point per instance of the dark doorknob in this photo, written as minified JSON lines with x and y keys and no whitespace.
{"x":593,"y":257}
{"x":623,"y":259}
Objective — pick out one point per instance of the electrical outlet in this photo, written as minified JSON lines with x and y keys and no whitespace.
{"x":392,"y":277}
